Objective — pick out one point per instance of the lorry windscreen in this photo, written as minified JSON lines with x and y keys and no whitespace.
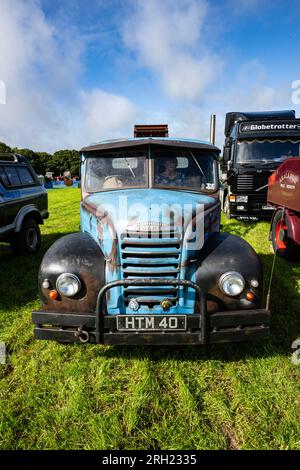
{"x":184,"y":169}
{"x":116,"y":170}
{"x":265,"y":151}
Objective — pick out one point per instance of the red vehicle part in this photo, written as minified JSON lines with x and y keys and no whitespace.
{"x":284,"y":193}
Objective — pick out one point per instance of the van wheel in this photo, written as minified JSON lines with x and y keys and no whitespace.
{"x":226,"y":208}
{"x":28,"y":240}
{"x":283,"y":245}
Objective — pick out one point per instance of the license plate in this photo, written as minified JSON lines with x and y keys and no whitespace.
{"x":151,"y":322}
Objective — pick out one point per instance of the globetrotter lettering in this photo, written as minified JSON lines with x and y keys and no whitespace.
{"x":269,"y":127}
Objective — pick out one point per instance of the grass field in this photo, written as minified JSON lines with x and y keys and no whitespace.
{"x":52,"y":396}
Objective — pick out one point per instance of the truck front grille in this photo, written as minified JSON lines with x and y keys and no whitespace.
{"x":247,"y":183}
{"x":250,"y":184}
{"x":150,"y":255}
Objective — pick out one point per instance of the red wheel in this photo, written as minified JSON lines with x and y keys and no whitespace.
{"x":282,"y":242}
{"x":281,"y":233}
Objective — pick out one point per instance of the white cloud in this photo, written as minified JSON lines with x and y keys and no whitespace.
{"x":106,"y":115}
{"x":168,"y":38}
{"x":253,"y":90}
{"x":45,"y":108}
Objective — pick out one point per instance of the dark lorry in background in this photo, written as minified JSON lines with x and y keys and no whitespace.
{"x":255,"y":145}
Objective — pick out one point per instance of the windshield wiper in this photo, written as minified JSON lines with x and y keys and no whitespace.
{"x":128,"y":164}
{"x":197,"y":163}
{"x":262,"y":161}
{"x":247,"y":162}
{"x":274,"y":160}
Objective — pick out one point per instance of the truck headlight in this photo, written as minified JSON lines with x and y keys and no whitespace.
{"x":242,"y":199}
{"x":68,"y":284}
{"x":232,"y":283}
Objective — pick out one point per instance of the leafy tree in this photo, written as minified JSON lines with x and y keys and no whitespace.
{"x":33,"y":158}
{"x":42,"y":162}
{"x":4,"y":148}
{"x":44,"y":159}
{"x":66,"y":160}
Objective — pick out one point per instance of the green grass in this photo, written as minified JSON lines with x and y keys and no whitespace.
{"x":52,"y":396}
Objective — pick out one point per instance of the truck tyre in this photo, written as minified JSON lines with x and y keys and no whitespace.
{"x":226,"y":208}
{"x":28,"y":240}
{"x":283,"y":245}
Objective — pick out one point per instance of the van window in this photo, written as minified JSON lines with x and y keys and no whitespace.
{"x":16,"y":176}
{"x":12,"y":176}
{"x":25,"y":176}
{"x":3,"y":176}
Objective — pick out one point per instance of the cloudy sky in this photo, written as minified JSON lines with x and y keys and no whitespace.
{"x":79,"y":71}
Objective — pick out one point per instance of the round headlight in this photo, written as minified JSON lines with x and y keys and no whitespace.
{"x":232,"y":283}
{"x":68,"y":284}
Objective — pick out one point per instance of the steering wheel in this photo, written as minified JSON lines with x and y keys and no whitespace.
{"x":113,"y":181}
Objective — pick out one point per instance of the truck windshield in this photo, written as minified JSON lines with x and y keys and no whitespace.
{"x":115,"y":171}
{"x":266,"y":151}
{"x":185,"y":169}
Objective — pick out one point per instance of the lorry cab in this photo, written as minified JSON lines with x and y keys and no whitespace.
{"x":23,"y":204}
{"x":150,"y":265}
{"x":284,"y":195}
{"x":255,"y":145}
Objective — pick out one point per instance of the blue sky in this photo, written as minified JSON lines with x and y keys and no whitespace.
{"x":80,"y":71}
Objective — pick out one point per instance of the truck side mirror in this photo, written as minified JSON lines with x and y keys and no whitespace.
{"x":226,"y":154}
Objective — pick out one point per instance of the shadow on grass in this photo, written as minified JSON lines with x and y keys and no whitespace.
{"x":19,"y":274}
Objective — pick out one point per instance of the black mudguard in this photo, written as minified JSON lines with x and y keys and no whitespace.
{"x":224,"y":252}
{"x":79,"y":254}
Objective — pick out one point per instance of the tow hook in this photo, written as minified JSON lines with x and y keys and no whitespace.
{"x":82,"y":335}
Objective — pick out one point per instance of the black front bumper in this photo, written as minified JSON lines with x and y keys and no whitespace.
{"x":202,"y":328}
{"x":250,"y":212}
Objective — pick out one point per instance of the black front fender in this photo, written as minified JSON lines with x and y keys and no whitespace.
{"x":224,"y":252}
{"x":79,"y":254}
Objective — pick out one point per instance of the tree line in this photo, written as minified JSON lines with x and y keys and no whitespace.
{"x":43,"y":162}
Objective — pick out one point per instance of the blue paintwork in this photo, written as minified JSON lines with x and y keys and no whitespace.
{"x":117,"y":257}
{"x":113,"y":251}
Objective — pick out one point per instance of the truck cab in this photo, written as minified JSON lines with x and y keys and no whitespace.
{"x":255,"y":145}
{"x":284,"y":195}
{"x":23,"y":204}
{"x":150,"y":265}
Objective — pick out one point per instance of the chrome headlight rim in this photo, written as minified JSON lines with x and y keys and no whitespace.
{"x":72,"y":277}
{"x":236,"y":275}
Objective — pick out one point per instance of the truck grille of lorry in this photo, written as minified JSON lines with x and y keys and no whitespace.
{"x":248,"y":184}
{"x":252,"y":183}
{"x":151,"y":255}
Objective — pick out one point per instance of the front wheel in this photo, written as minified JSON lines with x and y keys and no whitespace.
{"x":283,"y":245}
{"x":28,"y":240}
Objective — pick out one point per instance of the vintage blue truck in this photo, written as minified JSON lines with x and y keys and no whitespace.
{"x":150,"y":265}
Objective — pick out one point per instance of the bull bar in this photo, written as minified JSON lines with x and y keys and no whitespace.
{"x":202,"y":328}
